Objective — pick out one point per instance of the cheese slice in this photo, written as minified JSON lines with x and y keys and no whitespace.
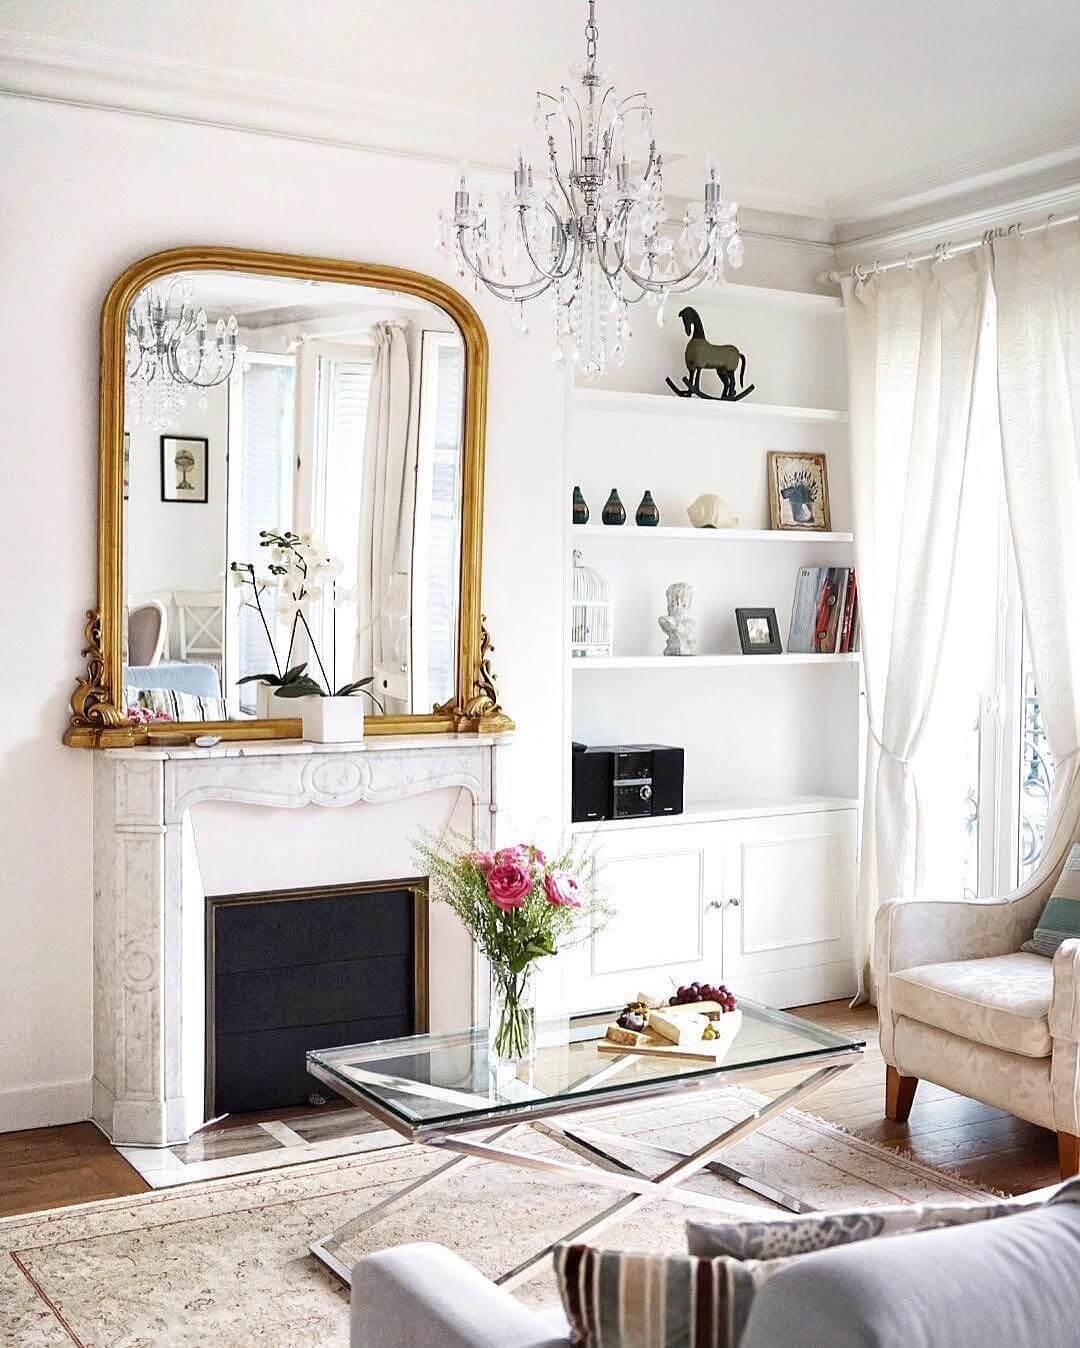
{"x":678,"y":1029}
{"x":694,"y":1008}
{"x":631,"y":1038}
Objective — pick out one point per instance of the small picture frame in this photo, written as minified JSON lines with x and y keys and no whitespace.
{"x":799,"y":491}
{"x":185,"y":462}
{"x":759,"y":632}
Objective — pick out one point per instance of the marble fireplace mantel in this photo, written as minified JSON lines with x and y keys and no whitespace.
{"x":149,"y":905}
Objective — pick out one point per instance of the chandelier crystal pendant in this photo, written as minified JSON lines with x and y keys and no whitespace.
{"x":591,"y":232}
{"x":170,"y":349}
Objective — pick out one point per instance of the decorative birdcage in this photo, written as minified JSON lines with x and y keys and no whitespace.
{"x":592,"y":624}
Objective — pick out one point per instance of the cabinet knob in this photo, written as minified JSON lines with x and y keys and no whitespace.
{"x":714,"y":905}
{"x":733,"y":903}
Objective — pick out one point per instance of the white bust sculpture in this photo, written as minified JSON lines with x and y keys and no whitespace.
{"x":680,"y":628}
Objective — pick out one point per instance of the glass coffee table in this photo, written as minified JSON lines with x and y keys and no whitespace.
{"x":438,"y":1090}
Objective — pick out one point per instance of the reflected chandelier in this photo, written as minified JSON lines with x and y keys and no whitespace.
{"x":590,"y":233}
{"x":170,"y":349}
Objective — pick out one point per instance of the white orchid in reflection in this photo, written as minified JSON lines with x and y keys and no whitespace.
{"x":301,"y":570}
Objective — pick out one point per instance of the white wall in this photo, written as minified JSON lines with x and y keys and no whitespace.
{"x":87,"y":193}
{"x":178,"y":545}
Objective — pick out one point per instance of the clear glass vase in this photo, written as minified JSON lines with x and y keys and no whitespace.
{"x":512,"y":1022}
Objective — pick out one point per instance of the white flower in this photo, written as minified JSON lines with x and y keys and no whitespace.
{"x":240,"y":578}
{"x":287,"y":606}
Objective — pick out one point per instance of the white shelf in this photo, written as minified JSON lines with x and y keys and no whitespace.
{"x":768,"y":297}
{"x":655,"y":534}
{"x":686,"y":663}
{"x":615,"y":400}
{"x":716,"y":811}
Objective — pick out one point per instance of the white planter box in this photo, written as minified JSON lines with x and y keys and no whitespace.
{"x":270,"y":707}
{"x":330,"y":720}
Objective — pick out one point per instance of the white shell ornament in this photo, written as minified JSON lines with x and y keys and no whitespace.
{"x":711,"y":512}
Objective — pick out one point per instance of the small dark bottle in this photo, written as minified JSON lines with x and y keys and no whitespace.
{"x":614,"y":510}
{"x":648,"y":514}
{"x":581,"y":508}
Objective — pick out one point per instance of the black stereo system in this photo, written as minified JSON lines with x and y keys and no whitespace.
{"x":626,"y":781}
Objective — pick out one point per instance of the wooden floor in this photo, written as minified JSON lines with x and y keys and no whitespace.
{"x":53,"y":1167}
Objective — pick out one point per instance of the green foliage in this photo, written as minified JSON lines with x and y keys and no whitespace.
{"x":512,"y":940}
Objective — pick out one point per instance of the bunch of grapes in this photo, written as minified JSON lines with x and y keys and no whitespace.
{"x":704,"y":992}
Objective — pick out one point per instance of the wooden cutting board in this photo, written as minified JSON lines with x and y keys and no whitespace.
{"x":708,"y":1051}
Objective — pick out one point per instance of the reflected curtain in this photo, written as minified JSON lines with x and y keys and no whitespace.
{"x":388,"y":498}
{"x":1037,"y":288}
{"x":913,"y":341}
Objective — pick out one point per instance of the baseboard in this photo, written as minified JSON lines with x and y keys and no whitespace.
{"x":42,"y":1106}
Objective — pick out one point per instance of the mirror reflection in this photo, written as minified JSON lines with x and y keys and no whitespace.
{"x":292,"y":488}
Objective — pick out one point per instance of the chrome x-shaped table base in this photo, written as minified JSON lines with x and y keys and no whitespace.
{"x":638,"y":1189}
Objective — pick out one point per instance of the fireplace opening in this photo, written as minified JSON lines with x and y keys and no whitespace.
{"x":296,"y":969}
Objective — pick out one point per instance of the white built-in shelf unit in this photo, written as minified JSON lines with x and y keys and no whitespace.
{"x":755,"y":728}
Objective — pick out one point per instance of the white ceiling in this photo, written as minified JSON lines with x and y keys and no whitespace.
{"x":825,"y":108}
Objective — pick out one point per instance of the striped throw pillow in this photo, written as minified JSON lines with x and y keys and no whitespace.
{"x":1060,"y":919}
{"x":618,"y":1300}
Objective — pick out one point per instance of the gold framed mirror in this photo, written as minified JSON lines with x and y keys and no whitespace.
{"x":291,"y":474}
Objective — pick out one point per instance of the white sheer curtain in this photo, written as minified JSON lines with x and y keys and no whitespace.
{"x":388,"y":495}
{"x":913,"y":339}
{"x":1037,"y":287}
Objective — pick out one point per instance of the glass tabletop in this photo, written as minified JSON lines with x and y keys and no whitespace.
{"x":437,"y":1082}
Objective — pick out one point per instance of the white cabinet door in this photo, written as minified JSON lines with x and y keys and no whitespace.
{"x":789,"y":907}
{"x":660,"y":883}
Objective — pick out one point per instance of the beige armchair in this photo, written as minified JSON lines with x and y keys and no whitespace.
{"x":961,"y":1005}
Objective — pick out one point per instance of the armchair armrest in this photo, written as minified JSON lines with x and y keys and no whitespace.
{"x":417,"y":1296}
{"x":1065,"y":1002}
{"x":911,"y":932}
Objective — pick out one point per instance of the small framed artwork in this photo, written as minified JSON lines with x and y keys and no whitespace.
{"x":759,"y":633}
{"x":798,"y":491}
{"x":184,"y":469}
{"x":127,"y":464}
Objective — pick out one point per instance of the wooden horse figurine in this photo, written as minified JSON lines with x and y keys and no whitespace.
{"x":701,"y":354}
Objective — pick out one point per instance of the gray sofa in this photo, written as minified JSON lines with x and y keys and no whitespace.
{"x":1010,"y":1282}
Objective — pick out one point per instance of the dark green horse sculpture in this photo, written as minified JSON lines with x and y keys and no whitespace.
{"x":701,"y":354}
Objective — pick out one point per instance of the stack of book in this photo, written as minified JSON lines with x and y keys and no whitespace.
{"x":825,"y":613}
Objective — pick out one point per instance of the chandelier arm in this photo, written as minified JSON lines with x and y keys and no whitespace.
{"x":670,"y":283}
{"x":570,"y":204}
{"x":557,"y":274}
{"x":511,"y":290}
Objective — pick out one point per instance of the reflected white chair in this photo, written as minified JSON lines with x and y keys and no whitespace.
{"x":960,"y":1004}
{"x":200,"y":626}
{"x":147,"y":632}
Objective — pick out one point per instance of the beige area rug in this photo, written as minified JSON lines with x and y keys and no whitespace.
{"x":226,"y":1262}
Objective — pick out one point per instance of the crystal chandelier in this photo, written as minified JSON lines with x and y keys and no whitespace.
{"x":590,"y":233}
{"x":170,"y":349}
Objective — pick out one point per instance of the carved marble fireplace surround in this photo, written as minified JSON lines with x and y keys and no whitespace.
{"x":149,"y":899}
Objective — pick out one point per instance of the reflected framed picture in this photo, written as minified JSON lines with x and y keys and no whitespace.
{"x":184,"y":469}
{"x":759,"y":633}
{"x":127,"y":465}
{"x":798,"y":491}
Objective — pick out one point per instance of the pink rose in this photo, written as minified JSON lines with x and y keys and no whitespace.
{"x":483,"y":861}
{"x":563,"y":891}
{"x":508,"y":883}
{"x":539,"y":857}
{"x":518,"y":854}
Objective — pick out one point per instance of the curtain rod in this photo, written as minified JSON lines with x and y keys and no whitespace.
{"x":861,"y":272}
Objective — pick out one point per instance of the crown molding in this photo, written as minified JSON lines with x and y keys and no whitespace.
{"x":1054,"y":154}
{"x":87,"y":74}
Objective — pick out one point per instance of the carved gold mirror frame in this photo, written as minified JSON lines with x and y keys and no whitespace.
{"x":98,"y":718}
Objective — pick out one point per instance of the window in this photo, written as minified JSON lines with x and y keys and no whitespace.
{"x":261,"y":461}
{"x":436,"y":550}
{"x":344,"y":387}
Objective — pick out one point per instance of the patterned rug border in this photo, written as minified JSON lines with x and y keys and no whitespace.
{"x":267,"y":1179}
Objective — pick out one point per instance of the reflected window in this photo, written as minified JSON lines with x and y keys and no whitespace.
{"x":1036,"y":773}
{"x":261,"y":465}
{"x":436,"y":544}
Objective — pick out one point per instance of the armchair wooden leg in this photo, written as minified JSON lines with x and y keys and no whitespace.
{"x":1068,"y":1155}
{"x":899,"y":1095}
